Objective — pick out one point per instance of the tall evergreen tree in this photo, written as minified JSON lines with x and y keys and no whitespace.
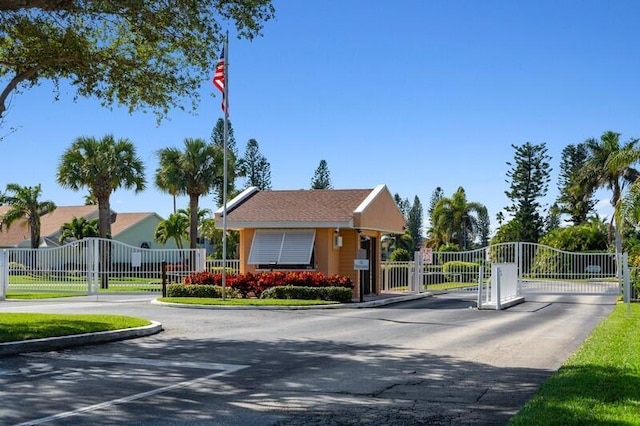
{"x":484,"y":228}
{"x":576,"y":197}
{"x":321,"y":179}
{"x":436,"y":196}
{"x":217,"y":138}
{"x":255,"y":167}
{"x":529,"y":181}
{"x":414,"y":223}
{"x":403,"y":204}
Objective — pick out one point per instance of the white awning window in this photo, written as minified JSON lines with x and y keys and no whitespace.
{"x":282,"y":247}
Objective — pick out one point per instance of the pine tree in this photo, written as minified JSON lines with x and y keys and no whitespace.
{"x":255,"y":167}
{"x":576,"y":197}
{"x":321,"y":179}
{"x":436,"y":196}
{"x":414,"y":223}
{"x":217,"y":138}
{"x":529,"y":181}
{"x":403,"y":204}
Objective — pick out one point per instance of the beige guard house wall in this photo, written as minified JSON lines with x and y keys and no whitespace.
{"x":372,"y":216}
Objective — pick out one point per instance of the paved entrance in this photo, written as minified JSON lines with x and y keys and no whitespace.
{"x":427,"y":361}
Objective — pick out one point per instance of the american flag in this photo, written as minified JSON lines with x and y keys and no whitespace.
{"x":218,"y":79}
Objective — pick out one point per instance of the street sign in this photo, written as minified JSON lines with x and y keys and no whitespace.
{"x":361,"y":264}
{"x":427,"y":255}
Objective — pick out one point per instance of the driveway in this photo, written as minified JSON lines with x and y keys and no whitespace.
{"x":430,"y":361}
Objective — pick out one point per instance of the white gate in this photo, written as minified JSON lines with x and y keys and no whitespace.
{"x":94,"y":264}
{"x":503,"y":274}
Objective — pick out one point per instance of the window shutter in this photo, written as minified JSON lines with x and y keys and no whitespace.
{"x":297,"y":247}
{"x":287,"y":247}
{"x":265,"y":248}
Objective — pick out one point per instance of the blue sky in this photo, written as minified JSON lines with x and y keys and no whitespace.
{"x":414,"y":94}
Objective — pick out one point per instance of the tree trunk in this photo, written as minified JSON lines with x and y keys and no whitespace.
{"x":104,"y":229}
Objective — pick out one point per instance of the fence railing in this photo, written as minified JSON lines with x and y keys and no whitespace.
{"x":93,"y":264}
{"x":215,"y":265}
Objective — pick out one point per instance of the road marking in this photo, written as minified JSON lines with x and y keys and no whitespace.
{"x":226,"y":369}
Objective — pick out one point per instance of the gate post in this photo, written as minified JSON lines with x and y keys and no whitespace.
{"x":626,"y":279}
{"x":416,"y":285}
{"x":4,"y":273}
{"x":480,"y":285}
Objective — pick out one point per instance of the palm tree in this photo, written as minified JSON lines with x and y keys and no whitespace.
{"x":456,"y":220}
{"x":609,"y":166}
{"x":164,"y":179}
{"x":102,"y":166}
{"x":24,"y":203}
{"x":176,"y":226}
{"x":78,"y":228}
{"x":193,"y":172}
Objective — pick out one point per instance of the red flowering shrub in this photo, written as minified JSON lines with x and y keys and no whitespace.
{"x":243,"y":283}
{"x":257,"y":283}
{"x":203,"y":277}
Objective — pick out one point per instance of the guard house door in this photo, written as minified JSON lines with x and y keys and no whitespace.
{"x":370,"y":275}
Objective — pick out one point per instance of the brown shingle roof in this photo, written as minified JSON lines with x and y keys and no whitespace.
{"x":311,"y":205}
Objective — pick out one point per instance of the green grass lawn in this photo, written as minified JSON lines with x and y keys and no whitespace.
{"x":599,"y":384}
{"x":243,"y":302}
{"x":20,"y":295}
{"x":26,"y":326}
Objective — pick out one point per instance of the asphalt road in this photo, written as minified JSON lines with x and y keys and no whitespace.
{"x":429,"y":361}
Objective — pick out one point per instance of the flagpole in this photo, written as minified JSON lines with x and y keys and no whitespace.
{"x":225,"y":178}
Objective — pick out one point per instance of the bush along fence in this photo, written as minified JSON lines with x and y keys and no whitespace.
{"x":273,"y":285}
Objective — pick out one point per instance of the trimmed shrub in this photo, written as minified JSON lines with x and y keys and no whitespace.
{"x":203,"y":290}
{"x":466,"y":272}
{"x":334,"y":294}
{"x":400,"y":255}
{"x":185,"y":290}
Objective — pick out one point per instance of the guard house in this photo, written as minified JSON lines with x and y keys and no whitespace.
{"x":323,"y":230}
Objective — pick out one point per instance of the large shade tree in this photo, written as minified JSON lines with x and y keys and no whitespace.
{"x":102,"y":166}
{"x":144,"y":55}
{"x":194,"y":171}
{"x":24,"y":203}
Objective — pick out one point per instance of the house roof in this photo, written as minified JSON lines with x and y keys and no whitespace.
{"x":51,"y":223}
{"x":339,"y":208}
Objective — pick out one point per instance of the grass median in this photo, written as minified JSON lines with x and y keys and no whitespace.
{"x":599,"y":384}
{"x":27,"y":326}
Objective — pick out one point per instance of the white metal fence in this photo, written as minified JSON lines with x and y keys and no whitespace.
{"x":232,"y":265}
{"x":508,"y":271}
{"x":94,"y":264}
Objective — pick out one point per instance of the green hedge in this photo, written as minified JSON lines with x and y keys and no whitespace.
{"x":203,"y":290}
{"x":334,"y":294}
{"x":458,"y":271}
